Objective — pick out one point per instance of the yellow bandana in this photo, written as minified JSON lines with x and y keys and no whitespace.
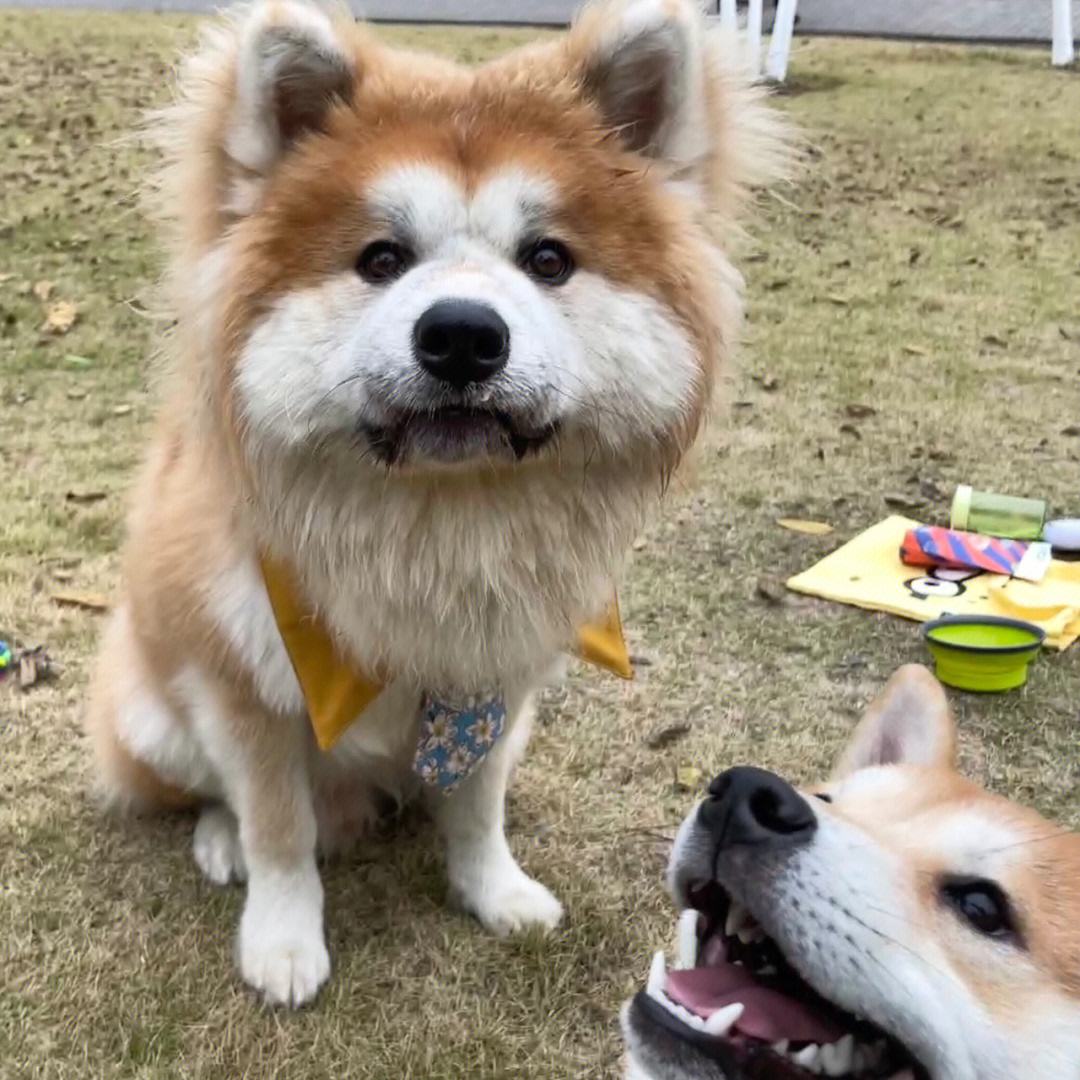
{"x":336,"y":693}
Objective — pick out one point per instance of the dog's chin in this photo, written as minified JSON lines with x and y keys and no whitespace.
{"x":456,"y":437}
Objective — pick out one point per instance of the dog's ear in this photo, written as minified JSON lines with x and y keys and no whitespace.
{"x":293,"y":63}
{"x":643,"y":63}
{"x":909,"y":723}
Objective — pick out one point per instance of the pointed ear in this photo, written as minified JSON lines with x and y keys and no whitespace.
{"x":909,"y":723}
{"x":293,"y":63}
{"x":643,"y":63}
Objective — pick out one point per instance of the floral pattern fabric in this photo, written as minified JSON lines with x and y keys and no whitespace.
{"x":454,"y":739}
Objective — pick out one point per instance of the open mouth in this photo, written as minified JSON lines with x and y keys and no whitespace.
{"x":735,"y":997}
{"x":456,"y":433}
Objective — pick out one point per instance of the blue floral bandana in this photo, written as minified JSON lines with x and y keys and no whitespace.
{"x":455,"y":739}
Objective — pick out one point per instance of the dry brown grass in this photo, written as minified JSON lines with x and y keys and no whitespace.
{"x":928,"y":265}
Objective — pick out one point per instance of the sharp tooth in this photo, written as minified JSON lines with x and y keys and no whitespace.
{"x":687,"y":939}
{"x":781,"y":1047}
{"x":657,"y":974}
{"x":721,"y":1021}
{"x":750,"y":934}
{"x":736,"y":917}
{"x":808,"y":1057}
{"x":836,"y":1057}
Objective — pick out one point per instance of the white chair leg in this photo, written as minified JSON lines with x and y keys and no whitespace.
{"x":780,"y":43}
{"x":728,"y":15}
{"x":753,"y":36}
{"x":1064,"y":52}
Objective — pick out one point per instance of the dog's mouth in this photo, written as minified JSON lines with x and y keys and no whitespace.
{"x":455,"y":434}
{"x":736,"y":998}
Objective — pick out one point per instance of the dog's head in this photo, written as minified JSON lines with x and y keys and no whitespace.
{"x":400,"y":264}
{"x":896,"y":922}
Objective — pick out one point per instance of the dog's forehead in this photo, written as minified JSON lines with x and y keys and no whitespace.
{"x":428,"y":202}
{"x":950,"y":825}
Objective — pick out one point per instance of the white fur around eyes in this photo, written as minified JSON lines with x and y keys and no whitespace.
{"x":435,"y":209}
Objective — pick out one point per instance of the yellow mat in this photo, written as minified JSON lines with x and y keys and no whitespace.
{"x":868,"y":573}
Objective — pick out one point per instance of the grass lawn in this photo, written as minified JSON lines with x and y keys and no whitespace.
{"x":926,"y":267}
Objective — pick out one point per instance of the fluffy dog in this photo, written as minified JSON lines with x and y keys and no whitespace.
{"x":898,"y":922}
{"x":442,"y":336}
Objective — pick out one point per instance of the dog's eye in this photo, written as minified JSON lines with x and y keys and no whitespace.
{"x":548,"y":261}
{"x":383,"y":261}
{"x":823,"y":796}
{"x":981,"y":904}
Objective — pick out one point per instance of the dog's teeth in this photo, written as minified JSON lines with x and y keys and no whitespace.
{"x":721,"y":1021}
{"x":808,"y":1057}
{"x":750,"y":935}
{"x":781,"y":1047}
{"x":836,"y":1058}
{"x":688,"y":939}
{"x":737,"y":915}
{"x":657,"y":974}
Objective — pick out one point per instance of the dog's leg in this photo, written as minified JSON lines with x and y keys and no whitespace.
{"x":264,"y":764}
{"x":484,"y":877}
{"x":217,"y":846}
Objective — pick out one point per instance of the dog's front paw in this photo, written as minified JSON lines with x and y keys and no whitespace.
{"x":508,"y":900}
{"x":282,"y":951}
{"x":217,"y":847}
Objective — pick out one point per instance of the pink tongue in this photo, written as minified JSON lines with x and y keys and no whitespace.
{"x":768,"y":1014}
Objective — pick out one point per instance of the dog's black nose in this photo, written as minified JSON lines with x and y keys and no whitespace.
{"x":753,"y":807}
{"x":461,"y":342}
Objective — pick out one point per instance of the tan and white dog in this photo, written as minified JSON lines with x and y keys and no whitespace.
{"x":442,"y":336}
{"x":897,"y":922}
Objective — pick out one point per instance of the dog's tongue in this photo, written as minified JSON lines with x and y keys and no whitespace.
{"x":768,"y":1014}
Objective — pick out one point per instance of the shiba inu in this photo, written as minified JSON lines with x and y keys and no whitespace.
{"x":897,"y":922}
{"x":442,"y":336}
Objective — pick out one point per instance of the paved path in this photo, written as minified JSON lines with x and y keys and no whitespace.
{"x":976,"y":20}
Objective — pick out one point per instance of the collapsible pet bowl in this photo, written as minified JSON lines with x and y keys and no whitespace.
{"x":982,"y":652}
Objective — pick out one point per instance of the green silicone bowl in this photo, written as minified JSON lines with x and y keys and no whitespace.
{"x":982,"y":652}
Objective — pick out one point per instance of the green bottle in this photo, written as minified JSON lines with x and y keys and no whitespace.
{"x":997,"y":515}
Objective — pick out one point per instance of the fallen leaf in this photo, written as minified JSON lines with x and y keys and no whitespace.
{"x":687,"y":778}
{"x":859,"y":412}
{"x":122,"y":410}
{"x":34,"y":667}
{"x":810,"y":528}
{"x":76,"y":393}
{"x":86,"y":601}
{"x":78,"y":361}
{"x":837,"y":299}
{"x":771,"y":590}
{"x":849,"y":429}
{"x":900,"y":501}
{"x":43,"y":290}
{"x":85,"y":496}
{"x":777,"y":284}
{"x":1072,"y":429}
{"x":916,"y":350}
{"x":60,"y":317}
{"x":665,"y":736}
{"x":994,"y":341}
{"x":639,"y":544}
